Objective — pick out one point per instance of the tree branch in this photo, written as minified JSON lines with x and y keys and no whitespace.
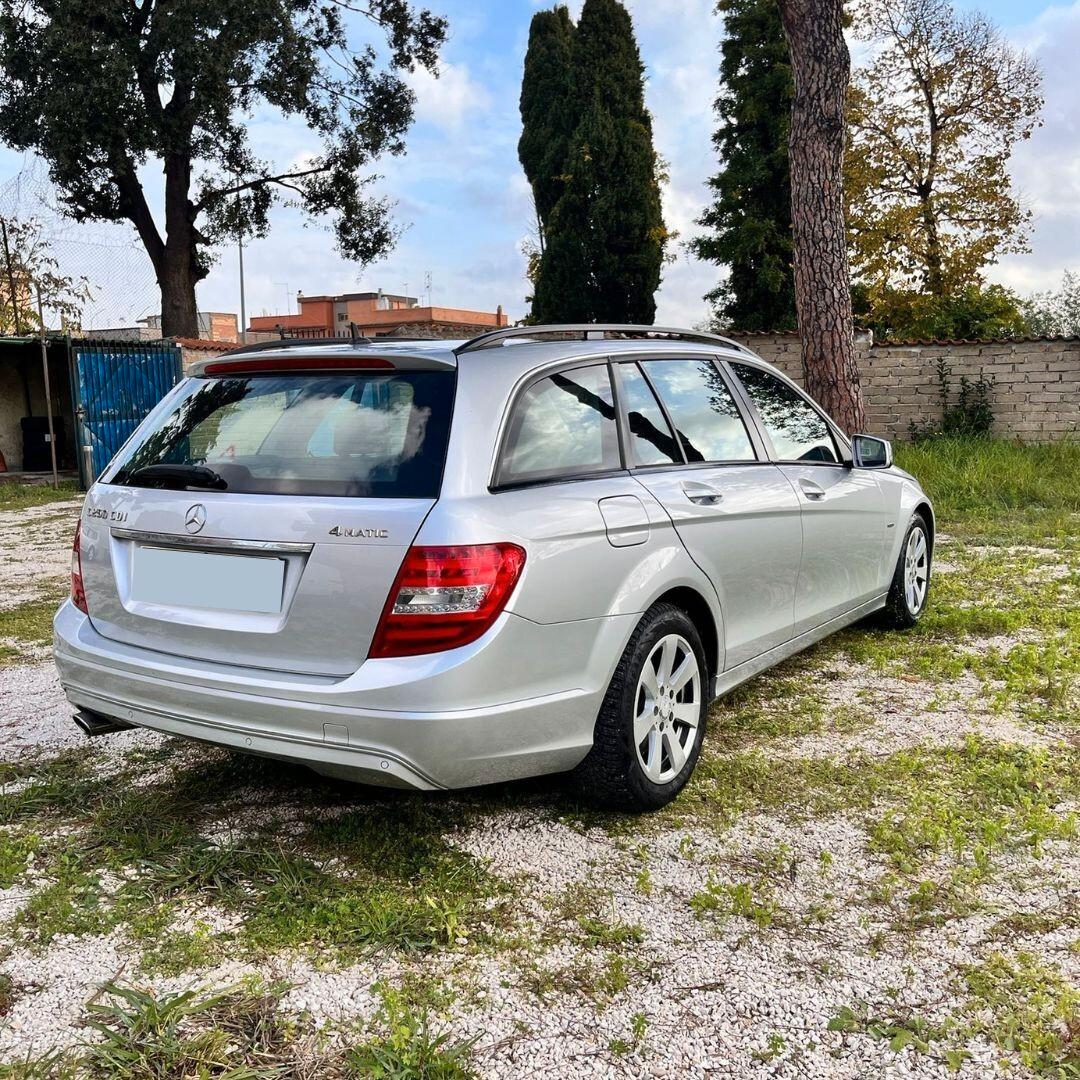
{"x":259,"y":181}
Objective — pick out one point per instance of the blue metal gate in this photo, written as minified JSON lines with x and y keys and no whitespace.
{"x":116,"y":384}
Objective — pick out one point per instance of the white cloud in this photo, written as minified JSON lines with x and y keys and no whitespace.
{"x":1046,"y":168}
{"x":449,"y":101}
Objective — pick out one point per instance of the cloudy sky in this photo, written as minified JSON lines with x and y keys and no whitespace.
{"x":464,"y":203}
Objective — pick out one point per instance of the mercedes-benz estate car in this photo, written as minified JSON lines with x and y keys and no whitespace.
{"x":442,"y":564}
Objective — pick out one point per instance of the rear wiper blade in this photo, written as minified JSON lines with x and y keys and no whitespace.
{"x":178,"y":477}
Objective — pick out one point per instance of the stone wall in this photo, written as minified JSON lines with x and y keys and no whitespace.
{"x":1036,"y":394}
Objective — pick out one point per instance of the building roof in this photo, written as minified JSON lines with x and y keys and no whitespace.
{"x":360,"y":296}
{"x":204,"y":344}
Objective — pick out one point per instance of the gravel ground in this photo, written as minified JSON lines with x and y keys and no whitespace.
{"x":705,"y":994}
{"x":35,"y":549}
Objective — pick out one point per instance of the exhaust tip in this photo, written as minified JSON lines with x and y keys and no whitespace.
{"x":92,"y":723}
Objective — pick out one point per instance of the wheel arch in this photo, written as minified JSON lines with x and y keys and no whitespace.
{"x":699,"y":612}
{"x":926,"y":512}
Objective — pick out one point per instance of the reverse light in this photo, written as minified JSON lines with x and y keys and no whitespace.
{"x":78,"y":592}
{"x":444,"y":597}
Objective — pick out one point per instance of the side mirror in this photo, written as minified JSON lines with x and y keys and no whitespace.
{"x":869,"y":452}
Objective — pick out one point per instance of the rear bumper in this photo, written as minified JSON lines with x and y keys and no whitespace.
{"x":527,"y":693}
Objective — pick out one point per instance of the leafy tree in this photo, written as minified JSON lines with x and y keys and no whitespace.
{"x":100,"y":88}
{"x":547,"y":120}
{"x":976,"y":311}
{"x":821,"y":69}
{"x":1055,"y":314}
{"x":605,"y":237}
{"x":749,"y":221}
{"x":29,"y":273}
{"x":933,"y":120}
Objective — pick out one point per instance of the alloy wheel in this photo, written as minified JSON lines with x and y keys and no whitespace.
{"x":667,"y":708}
{"x":916,"y":570}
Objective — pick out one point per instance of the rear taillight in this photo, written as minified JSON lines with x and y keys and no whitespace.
{"x":444,"y":597}
{"x":78,"y":593}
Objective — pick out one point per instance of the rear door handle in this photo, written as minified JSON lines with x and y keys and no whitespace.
{"x":811,"y":490}
{"x":701,"y":494}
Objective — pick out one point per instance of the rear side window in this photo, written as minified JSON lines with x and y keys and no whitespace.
{"x":562,"y":426}
{"x":702,"y":409}
{"x":797,"y":430}
{"x":376,"y":435}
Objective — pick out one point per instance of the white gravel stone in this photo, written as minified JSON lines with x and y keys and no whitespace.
{"x":35,"y":549}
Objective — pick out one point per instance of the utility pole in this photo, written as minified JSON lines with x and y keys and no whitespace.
{"x":48,"y":389}
{"x":243,"y":305}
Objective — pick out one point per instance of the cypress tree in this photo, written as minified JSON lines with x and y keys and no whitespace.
{"x":749,"y":221}
{"x":605,"y":237}
{"x":546,"y":118}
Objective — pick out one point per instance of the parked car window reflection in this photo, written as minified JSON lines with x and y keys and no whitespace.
{"x":797,"y":430}
{"x":651,"y":438}
{"x":563,"y":425}
{"x":702,"y":409}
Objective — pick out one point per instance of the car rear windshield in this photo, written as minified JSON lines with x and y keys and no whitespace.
{"x":362,"y":433}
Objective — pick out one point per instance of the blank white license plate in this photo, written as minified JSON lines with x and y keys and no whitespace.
{"x":204,"y":579}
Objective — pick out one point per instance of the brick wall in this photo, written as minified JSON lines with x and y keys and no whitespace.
{"x":1036,"y":395}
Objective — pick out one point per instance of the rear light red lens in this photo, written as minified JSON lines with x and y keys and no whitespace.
{"x":444,"y":597}
{"x":78,"y":593}
{"x":254,"y":365}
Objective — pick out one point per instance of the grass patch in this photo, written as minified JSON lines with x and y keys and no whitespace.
{"x":239,"y":1033}
{"x":723,"y":899}
{"x":378,"y":875}
{"x":29,"y":624}
{"x":1034,"y":1012}
{"x":408,"y":1048}
{"x":17,"y":496}
{"x":970,"y":801}
{"x":1031,"y":485}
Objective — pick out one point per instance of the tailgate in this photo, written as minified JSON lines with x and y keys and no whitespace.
{"x":268,"y":581}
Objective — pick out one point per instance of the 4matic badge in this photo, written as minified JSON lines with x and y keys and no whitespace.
{"x":368,"y":534}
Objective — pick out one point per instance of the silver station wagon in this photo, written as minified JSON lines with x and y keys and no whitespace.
{"x":441,"y":564}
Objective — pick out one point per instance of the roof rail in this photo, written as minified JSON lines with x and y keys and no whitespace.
{"x":594,"y":331}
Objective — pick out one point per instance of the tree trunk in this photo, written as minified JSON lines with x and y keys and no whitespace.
{"x":179,"y":270}
{"x":821,"y":67}
{"x":179,"y":312}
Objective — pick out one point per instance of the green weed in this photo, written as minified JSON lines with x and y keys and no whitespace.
{"x":1034,"y":1012}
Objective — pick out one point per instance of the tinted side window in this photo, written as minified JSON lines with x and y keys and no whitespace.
{"x":702,"y":409}
{"x":651,"y":438}
{"x":797,"y":430}
{"x":563,"y":425}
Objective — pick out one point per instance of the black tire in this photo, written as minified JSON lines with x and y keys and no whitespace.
{"x":611,"y":774}
{"x":899,"y":613}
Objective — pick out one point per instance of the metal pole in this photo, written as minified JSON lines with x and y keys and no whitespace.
{"x":48,"y":389}
{"x":243,"y":305}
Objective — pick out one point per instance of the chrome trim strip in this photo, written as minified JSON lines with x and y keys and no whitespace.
{"x":212,"y":543}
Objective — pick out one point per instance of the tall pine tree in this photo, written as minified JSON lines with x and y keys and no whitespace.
{"x":749,"y":221}
{"x":604,"y":239}
{"x":547,"y":120}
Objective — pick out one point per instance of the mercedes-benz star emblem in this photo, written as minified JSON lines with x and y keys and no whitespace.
{"x":195,"y":518}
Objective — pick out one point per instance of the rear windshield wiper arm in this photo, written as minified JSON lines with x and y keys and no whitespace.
{"x":178,"y":477}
